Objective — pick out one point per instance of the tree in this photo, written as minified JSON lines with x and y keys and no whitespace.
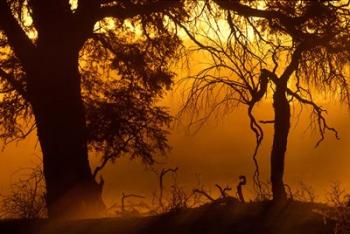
{"x":82,"y":72}
{"x":284,"y":50}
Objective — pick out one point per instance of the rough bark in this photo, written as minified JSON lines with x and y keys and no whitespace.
{"x":59,"y":112}
{"x":281,"y":127}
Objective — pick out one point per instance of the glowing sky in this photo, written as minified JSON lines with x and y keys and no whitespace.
{"x":219,"y":153}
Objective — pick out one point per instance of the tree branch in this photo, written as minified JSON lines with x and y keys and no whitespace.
{"x":293,"y":65}
{"x":125,"y":196}
{"x":205,"y":194}
{"x":18,"y":40}
{"x":130,"y":10}
{"x":289,"y":23}
{"x":161,"y":177}
{"x":107,"y":158}
{"x":14,"y":83}
{"x":223,"y":190}
{"x":322,"y":123}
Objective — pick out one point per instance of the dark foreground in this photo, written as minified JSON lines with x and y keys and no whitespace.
{"x":238,"y":218}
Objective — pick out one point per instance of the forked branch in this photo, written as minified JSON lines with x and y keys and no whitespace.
{"x":223,"y":190}
{"x":321,"y":121}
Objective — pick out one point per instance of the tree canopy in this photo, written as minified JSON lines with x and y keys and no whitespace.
{"x":86,"y":73}
{"x":272,"y":49}
{"x":124,"y":67}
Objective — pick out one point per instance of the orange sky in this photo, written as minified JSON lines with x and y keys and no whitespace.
{"x":219,"y":153}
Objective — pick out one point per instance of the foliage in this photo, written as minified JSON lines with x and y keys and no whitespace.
{"x":305,"y":193}
{"x":121,"y":109}
{"x":26,"y":198}
{"x":339,"y":210}
{"x":124,"y":68}
{"x":257,"y":47}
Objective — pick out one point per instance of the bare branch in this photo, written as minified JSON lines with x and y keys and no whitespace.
{"x":321,"y":121}
{"x":205,"y":194}
{"x":107,"y":158}
{"x":223,"y":190}
{"x":161,"y":186}
{"x":126,"y":196}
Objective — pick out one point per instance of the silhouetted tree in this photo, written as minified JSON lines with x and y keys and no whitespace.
{"x":85,"y":71}
{"x":284,"y":50}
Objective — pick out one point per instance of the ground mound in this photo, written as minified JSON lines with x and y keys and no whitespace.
{"x":220,"y":217}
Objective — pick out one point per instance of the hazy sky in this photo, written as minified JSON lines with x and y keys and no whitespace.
{"x":218,"y":153}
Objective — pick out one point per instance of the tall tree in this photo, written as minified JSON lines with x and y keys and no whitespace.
{"x":284,"y":50}
{"x":86,"y":71}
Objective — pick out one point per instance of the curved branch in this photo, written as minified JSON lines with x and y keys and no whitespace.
{"x":321,"y":121}
{"x":125,"y":196}
{"x":223,"y":190}
{"x":205,"y":194}
{"x":255,"y":127}
{"x":107,"y":158}
{"x":259,"y":135}
{"x":289,"y":23}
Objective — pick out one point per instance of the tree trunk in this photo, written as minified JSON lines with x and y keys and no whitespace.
{"x":55,"y":96}
{"x":281,"y":128}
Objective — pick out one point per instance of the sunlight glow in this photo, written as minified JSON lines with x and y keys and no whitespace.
{"x":73,"y":4}
{"x":26,"y":22}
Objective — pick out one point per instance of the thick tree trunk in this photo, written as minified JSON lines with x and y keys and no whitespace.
{"x":55,"y":96}
{"x":281,"y":128}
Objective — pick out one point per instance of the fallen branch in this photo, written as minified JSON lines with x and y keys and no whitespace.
{"x":223,"y":190}
{"x":205,"y":194}
{"x":125,"y":196}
